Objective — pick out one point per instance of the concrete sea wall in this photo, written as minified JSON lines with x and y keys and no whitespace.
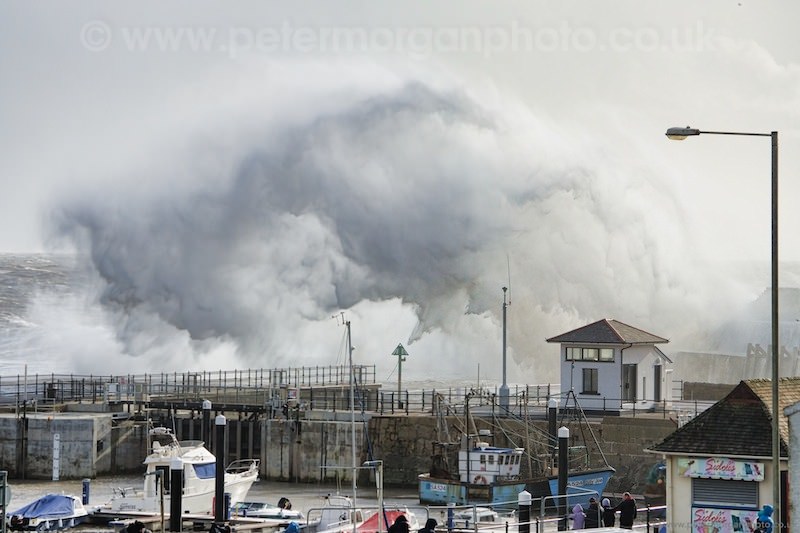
{"x":313,"y":449}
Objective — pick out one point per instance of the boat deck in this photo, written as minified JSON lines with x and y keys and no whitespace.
{"x":189,"y":522}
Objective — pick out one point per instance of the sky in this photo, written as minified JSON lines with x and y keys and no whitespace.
{"x":232,"y":176}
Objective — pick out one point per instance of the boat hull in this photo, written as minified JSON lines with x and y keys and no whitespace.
{"x":199,"y":500}
{"x":48,"y":524}
{"x":580,"y":486}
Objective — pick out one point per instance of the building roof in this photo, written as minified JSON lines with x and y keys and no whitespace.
{"x":608,"y":331}
{"x":739,"y":424}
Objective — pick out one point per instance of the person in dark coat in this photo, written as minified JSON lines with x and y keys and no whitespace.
{"x":592,"y":515}
{"x":627,"y":511}
{"x":284,"y":503}
{"x":430,"y":526}
{"x":609,"y":515}
{"x":400,"y":525}
{"x":135,"y":527}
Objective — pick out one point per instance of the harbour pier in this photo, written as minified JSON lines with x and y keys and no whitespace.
{"x":294,"y":420}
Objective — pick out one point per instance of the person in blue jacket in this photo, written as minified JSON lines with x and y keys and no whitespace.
{"x":765,"y":523}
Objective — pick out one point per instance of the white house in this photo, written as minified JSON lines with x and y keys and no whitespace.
{"x":611,"y":366}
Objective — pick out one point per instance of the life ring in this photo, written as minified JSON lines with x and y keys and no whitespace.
{"x":480,"y":480}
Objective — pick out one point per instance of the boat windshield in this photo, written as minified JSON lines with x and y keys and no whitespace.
{"x":205,"y":470}
{"x":163,"y":439}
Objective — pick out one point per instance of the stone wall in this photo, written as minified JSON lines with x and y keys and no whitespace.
{"x":706,"y":391}
{"x":624,"y":440}
{"x":317,"y":449}
{"x":27,"y":445}
{"x":405,"y":445}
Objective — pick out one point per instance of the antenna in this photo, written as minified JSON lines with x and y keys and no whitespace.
{"x":508,"y":263}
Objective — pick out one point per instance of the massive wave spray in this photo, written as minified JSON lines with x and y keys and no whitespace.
{"x":404,"y":203}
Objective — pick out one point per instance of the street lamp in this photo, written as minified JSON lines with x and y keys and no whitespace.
{"x":504,"y":386}
{"x":679,"y":134}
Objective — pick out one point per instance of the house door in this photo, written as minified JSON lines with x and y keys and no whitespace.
{"x":628,"y":383}
{"x":657,"y":383}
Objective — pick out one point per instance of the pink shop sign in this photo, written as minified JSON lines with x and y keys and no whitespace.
{"x":721,"y":468}
{"x":709,"y":520}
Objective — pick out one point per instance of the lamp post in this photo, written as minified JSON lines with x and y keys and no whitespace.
{"x":504,"y":386}
{"x":679,"y":134}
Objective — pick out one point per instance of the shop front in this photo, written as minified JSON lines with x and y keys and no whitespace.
{"x":724,"y":493}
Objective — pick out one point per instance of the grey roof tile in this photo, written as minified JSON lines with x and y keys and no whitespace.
{"x":739,"y":424}
{"x":607,"y":331}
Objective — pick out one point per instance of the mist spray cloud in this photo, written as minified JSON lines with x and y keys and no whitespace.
{"x":404,"y":199}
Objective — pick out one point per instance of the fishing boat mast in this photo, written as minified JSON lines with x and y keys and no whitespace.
{"x":352,"y":418}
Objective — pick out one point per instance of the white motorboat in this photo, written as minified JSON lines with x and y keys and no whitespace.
{"x":338,"y":515}
{"x":265,"y":510}
{"x":478,"y":516}
{"x":199,"y":478}
{"x":49,"y":513}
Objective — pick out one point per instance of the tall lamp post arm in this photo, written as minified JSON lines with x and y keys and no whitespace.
{"x":679,"y":134}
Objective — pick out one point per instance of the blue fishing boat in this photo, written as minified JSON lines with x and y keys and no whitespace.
{"x":471,"y":471}
{"x":491,"y":476}
{"x":483,"y":474}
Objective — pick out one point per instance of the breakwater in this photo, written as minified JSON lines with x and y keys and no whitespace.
{"x":298,"y":421}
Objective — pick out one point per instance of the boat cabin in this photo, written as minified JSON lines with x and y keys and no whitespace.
{"x":484,"y":464}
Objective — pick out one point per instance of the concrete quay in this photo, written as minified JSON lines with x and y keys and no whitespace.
{"x":87,"y":444}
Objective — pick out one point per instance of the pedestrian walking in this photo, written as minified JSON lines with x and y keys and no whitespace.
{"x":578,"y":517}
{"x":627,"y":511}
{"x":609,"y":515}
{"x":592,"y":514}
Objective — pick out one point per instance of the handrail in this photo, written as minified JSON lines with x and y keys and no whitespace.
{"x":320,"y":388}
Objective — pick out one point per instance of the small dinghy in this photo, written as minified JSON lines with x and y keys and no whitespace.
{"x":49,"y":513}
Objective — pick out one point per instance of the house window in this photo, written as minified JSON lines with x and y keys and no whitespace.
{"x":590,"y":381}
{"x":590,"y":354}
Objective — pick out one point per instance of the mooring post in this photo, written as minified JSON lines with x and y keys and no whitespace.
{"x":451,"y":508}
{"x":205,"y":433}
{"x":85,"y":494}
{"x":175,"y":494}
{"x":219,"y":501}
{"x":563,"y":473}
{"x":524,"y":502}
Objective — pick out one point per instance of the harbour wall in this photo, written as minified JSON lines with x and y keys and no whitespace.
{"x":316,"y":448}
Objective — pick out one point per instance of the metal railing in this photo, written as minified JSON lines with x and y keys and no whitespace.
{"x":43,"y":388}
{"x":542,"y":518}
{"x":318,"y":388}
